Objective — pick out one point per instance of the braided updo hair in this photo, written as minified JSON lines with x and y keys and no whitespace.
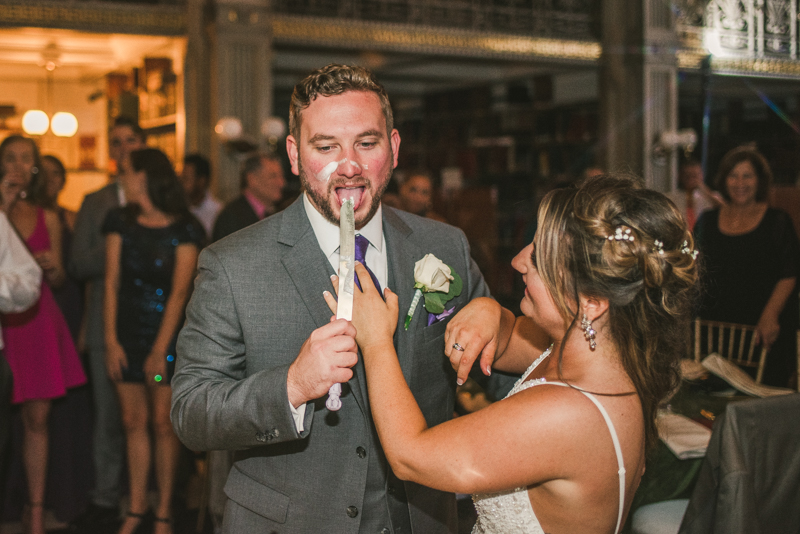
{"x":613,"y":239}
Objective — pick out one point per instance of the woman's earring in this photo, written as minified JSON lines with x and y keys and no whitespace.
{"x":588,"y":332}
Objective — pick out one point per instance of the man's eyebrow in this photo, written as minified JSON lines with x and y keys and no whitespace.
{"x":320,"y":137}
{"x":370,"y":133}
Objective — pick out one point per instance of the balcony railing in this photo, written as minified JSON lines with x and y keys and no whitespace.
{"x":757,"y":29}
{"x":570,"y":19}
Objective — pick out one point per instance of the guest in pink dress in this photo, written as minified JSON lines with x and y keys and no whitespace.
{"x":38,"y":345}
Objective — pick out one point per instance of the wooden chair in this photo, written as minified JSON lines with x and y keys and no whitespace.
{"x":734,"y":342}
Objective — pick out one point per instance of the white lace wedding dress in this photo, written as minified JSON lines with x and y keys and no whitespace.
{"x":510,"y":511}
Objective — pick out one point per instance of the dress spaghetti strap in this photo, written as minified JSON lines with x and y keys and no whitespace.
{"x":617,"y":447}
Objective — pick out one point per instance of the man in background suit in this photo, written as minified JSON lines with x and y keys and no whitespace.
{"x":258,"y":352}
{"x":196,"y":179}
{"x":87,"y":264}
{"x":262,"y":183}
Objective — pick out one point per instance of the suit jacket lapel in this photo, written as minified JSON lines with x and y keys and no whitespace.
{"x":307,"y":266}
{"x":402,"y":254}
{"x":310,"y":272}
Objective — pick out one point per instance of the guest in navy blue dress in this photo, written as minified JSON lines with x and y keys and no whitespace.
{"x":151,"y":253}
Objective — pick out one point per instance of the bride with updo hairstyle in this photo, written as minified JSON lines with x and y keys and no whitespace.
{"x":610,"y":282}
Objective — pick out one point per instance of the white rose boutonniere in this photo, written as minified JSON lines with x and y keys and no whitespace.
{"x":437,"y":281}
{"x":432,"y":274}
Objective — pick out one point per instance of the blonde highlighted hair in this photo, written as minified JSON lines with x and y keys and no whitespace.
{"x":650,"y":286}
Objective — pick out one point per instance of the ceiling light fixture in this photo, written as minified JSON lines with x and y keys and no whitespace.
{"x":64,"y":124}
{"x":35,"y":122}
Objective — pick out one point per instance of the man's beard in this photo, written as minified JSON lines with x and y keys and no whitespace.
{"x":323,"y":203}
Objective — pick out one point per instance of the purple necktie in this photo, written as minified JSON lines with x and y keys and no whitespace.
{"x":361,"y":256}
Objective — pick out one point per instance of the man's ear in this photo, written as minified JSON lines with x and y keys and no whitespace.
{"x":395,"y":143}
{"x":594,"y":307}
{"x":291,"y":150}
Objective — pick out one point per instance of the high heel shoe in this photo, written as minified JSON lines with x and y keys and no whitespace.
{"x":163,"y":520}
{"x":144,"y":523}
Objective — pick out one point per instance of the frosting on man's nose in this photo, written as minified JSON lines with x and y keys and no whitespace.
{"x":325,"y":174}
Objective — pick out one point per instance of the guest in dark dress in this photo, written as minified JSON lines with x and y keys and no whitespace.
{"x":151,"y":253}
{"x":751,"y":256}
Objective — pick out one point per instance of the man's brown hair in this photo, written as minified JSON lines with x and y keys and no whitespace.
{"x":334,"y":80}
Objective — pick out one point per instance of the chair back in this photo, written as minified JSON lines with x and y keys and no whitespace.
{"x":734,"y":342}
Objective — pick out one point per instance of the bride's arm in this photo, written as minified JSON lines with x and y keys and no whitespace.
{"x":505,"y":445}
{"x":491,"y":333}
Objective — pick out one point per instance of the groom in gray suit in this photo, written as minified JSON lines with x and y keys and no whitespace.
{"x":259,"y":351}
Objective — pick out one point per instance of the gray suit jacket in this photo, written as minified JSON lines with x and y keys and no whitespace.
{"x":88,"y":256}
{"x":257,"y":297}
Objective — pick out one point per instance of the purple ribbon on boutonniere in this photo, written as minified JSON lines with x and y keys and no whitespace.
{"x":433,"y":318}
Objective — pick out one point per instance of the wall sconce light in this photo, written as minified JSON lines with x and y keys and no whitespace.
{"x":231,"y":133}
{"x":273,"y":129}
{"x":670,"y":141}
{"x":229,"y":128}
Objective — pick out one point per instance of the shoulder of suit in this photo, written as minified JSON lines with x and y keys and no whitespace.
{"x":234,"y":204}
{"x":106,"y":190}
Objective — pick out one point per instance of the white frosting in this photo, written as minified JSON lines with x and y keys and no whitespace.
{"x":325,"y":174}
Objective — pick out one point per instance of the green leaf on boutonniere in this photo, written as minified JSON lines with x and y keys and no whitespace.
{"x":435,"y":301}
{"x":455,"y":286}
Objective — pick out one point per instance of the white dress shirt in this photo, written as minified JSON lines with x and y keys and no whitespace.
{"x":207,"y":211}
{"x":121,"y":195}
{"x":327,"y":235}
{"x":20,"y":275}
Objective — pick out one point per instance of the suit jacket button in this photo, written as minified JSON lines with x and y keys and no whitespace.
{"x":352,"y":511}
{"x":361,"y":452}
{"x":390,"y":490}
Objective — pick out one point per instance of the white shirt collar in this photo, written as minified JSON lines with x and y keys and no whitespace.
{"x":328,"y":233}
{"x":121,"y":195}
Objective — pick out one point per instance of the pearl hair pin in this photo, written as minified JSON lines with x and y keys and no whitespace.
{"x":620,"y":235}
{"x":626,"y":235}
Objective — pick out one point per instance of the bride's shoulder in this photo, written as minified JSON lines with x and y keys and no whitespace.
{"x":564,"y":411}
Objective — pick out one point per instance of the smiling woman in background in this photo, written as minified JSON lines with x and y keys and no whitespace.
{"x":751,"y":256}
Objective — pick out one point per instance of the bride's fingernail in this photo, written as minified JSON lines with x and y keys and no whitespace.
{"x":459,"y":382}
{"x":326,"y":293}
{"x":488,"y":370}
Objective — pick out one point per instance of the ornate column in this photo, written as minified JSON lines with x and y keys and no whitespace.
{"x":241,"y":79}
{"x":638,"y":88}
{"x":196,"y":87}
